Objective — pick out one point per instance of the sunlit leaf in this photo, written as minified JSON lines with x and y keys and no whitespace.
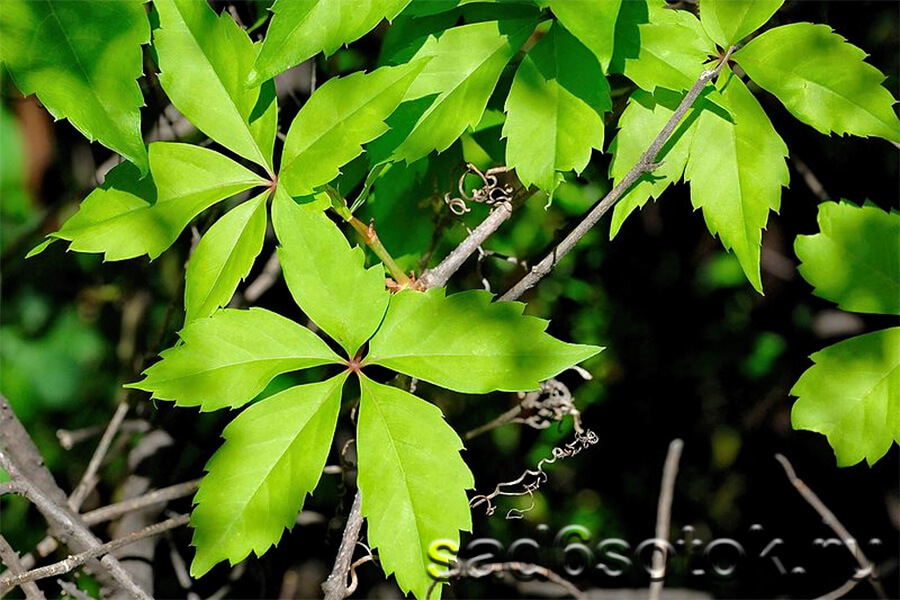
{"x":228,"y":358}
{"x":273,"y":456}
{"x":736,"y":170}
{"x":555,"y":110}
{"x":413,"y":482}
{"x":465,"y":64}
{"x":729,"y":21}
{"x":223,"y":258}
{"x":822,"y":80}
{"x":466,"y":343}
{"x":326,"y":277}
{"x":852,"y":396}
{"x":592,"y":22}
{"x":301,"y":29}
{"x":343,"y":114}
{"x":204,"y":60}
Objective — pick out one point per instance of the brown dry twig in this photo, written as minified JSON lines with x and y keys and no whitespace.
{"x":867,"y":569}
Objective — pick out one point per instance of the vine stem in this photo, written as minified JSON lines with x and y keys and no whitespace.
{"x":371,"y":239}
{"x":335,"y":587}
{"x":644,"y":165}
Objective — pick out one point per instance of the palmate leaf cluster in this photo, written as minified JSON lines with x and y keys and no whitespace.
{"x":532,"y":74}
{"x":411,"y":475}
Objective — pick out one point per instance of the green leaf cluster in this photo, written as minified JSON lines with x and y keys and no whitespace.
{"x":726,"y":147}
{"x":852,"y":392}
{"x":411,"y":475}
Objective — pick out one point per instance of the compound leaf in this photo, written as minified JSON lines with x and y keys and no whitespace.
{"x":592,"y":22}
{"x":729,"y":21}
{"x":204,"y":60}
{"x":223,"y":258}
{"x":672,"y":50}
{"x":466,"y":63}
{"x":82,"y":60}
{"x":640,"y":123}
{"x":822,"y":80}
{"x":736,"y":170}
{"x":852,"y":396}
{"x":343,"y":114}
{"x":273,"y":456}
{"x":300,"y":29}
{"x":466,"y":343}
{"x":326,"y":277}
{"x":227,"y":359}
{"x":412,"y":480}
{"x":555,"y":110}
{"x":853,"y":261}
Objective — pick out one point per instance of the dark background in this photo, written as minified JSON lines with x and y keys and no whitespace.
{"x":692,"y":352}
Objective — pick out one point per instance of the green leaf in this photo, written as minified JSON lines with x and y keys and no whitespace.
{"x":228,"y":358}
{"x":672,"y":50}
{"x":822,"y":80}
{"x":852,"y":396}
{"x":854,"y":260}
{"x":736,"y":172}
{"x":640,"y":123}
{"x":466,"y":343}
{"x":204,"y":60}
{"x":412,"y":480}
{"x":343,"y":114}
{"x":729,"y":21}
{"x":300,"y":29}
{"x":555,"y":110}
{"x":223,"y":258}
{"x":127,"y":217}
{"x":273,"y":456}
{"x":592,"y":22}
{"x":466,"y":63}
{"x":82,"y":60}
{"x":326,"y":277}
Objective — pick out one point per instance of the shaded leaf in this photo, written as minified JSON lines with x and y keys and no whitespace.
{"x":343,"y":114}
{"x":852,"y":396}
{"x":273,"y":456}
{"x":465,"y":64}
{"x":640,"y":123}
{"x":822,"y":80}
{"x":326,"y":277}
{"x":300,"y":29}
{"x":729,"y":21}
{"x":82,"y":60}
{"x":227,"y":359}
{"x":412,"y":480}
{"x":223,"y":258}
{"x":736,"y":172}
{"x":555,"y":110}
{"x":466,"y":343}
{"x":592,"y":22}
{"x":204,"y":60}
{"x":854,"y":261}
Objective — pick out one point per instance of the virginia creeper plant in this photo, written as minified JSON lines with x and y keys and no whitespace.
{"x":440,"y":85}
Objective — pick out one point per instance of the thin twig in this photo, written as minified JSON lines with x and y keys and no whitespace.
{"x":89,"y":479}
{"x":646,"y":164}
{"x":335,"y":587}
{"x":266,"y":279}
{"x":664,"y":517}
{"x":867,"y":567}
{"x":11,"y":559}
{"x":68,"y":564}
{"x":24,"y":464}
{"x":70,"y":527}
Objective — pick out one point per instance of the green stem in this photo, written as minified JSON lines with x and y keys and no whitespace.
{"x":371,"y":239}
